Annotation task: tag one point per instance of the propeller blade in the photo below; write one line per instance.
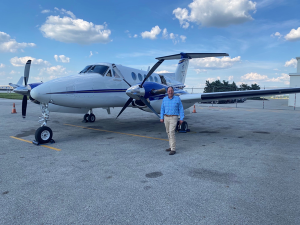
(125, 106)
(151, 71)
(115, 68)
(149, 106)
(24, 106)
(26, 72)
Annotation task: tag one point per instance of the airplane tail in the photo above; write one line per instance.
(180, 73)
(183, 64)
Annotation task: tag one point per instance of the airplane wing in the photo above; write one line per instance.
(191, 55)
(204, 97)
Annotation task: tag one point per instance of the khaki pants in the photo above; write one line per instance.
(170, 123)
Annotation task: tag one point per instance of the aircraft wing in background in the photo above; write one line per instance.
(204, 97)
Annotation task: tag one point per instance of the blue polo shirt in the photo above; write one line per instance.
(171, 107)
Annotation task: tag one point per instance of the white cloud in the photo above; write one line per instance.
(165, 33)
(182, 15)
(211, 79)
(216, 13)
(45, 11)
(182, 38)
(152, 34)
(22, 61)
(254, 76)
(294, 35)
(284, 78)
(277, 34)
(63, 11)
(200, 70)
(61, 58)
(11, 45)
(135, 36)
(214, 63)
(91, 53)
(2, 65)
(14, 72)
(291, 63)
(230, 78)
(174, 38)
(54, 72)
(72, 30)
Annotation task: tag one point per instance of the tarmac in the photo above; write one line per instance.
(236, 166)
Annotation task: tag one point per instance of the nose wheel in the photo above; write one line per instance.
(43, 135)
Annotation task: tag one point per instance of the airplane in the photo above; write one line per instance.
(106, 85)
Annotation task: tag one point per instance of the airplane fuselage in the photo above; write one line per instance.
(95, 90)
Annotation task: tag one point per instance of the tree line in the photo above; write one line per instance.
(218, 86)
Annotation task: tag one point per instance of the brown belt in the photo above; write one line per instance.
(169, 115)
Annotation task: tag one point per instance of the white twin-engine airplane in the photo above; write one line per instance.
(107, 85)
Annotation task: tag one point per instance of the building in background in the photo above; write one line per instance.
(295, 82)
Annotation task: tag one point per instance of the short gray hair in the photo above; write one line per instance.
(171, 87)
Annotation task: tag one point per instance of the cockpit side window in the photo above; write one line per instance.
(109, 74)
(115, 74)
(99, 69)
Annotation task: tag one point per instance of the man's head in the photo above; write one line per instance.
(170, 92)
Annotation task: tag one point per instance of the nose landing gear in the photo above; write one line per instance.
(43, 134)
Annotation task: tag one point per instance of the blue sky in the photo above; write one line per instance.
(261, 37)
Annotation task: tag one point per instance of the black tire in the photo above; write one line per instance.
(92, 118)
(43, 135)
(184, 126)
(86, 117)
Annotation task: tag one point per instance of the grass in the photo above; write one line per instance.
(11, 96)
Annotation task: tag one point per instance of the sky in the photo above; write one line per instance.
(261, 37)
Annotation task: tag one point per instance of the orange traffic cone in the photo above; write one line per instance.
(14, 109)
(194, 111)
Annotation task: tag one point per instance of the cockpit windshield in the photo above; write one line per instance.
(85, 69)
(95, 69)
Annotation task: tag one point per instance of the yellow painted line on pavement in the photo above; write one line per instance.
(46, 146)
(136, 135)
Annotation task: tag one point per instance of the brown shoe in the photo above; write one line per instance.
(172, 153)
(168, 149)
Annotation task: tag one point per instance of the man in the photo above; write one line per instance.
(171, 108)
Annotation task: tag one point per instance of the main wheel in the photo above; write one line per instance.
(92, 118)
(43, 135)
(184, 126)
(85, 118)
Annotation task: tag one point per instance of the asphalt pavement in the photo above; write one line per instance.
(236, 166)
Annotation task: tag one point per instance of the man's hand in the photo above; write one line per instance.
(161, 121)
(180, 122)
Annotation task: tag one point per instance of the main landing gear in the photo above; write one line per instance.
(43, 134)
(89, 117)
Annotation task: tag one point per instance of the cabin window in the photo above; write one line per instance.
(133, 76)
(98, 69)
(155, 79)
(140, 77)
(151, 78)
(109, 74)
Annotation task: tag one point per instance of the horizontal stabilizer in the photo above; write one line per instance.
(191, 56)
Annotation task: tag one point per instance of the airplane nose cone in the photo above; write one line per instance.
(41, 93)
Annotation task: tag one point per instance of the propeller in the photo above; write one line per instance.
(152, 71)
(139, 90)
(26, 77)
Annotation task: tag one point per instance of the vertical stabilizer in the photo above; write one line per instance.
(181, 69)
